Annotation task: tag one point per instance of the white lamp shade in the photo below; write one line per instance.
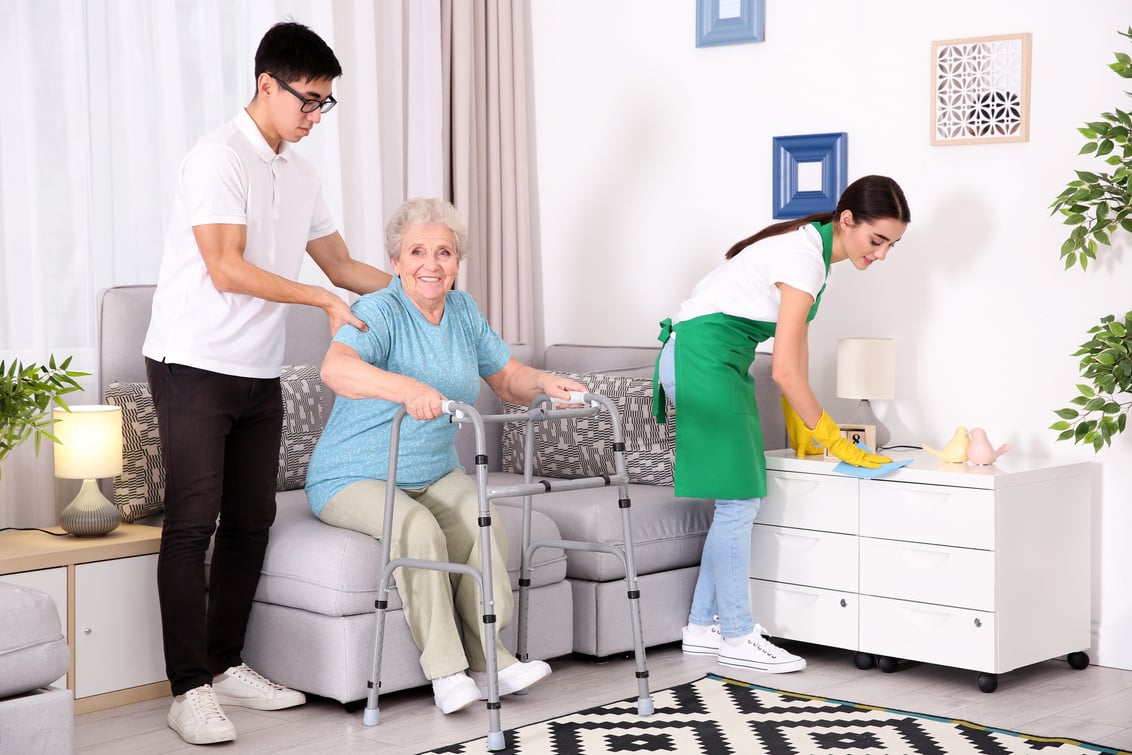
(90, 442)
(866, 368)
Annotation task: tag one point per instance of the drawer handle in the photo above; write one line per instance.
(925, 618)
(923, 559)
(798, 542)
(792, 486)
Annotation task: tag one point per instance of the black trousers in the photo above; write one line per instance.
(220, 440)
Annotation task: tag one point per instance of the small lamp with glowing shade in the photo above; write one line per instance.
(89, 448)
(866, 370)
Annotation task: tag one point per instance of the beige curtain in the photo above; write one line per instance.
(487, 172)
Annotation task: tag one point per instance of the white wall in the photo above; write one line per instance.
(654, 156)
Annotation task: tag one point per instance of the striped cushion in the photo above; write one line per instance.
(583, 447)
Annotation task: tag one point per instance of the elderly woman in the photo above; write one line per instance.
(424, 343)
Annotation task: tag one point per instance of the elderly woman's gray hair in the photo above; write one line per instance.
(425, 211)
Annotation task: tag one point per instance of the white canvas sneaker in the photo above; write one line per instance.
(758, 653)
(243, 686)
(517, 676)
(454, 692)
(701, 640)
(198, 718)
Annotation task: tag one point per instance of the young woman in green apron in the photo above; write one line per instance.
(771, 289)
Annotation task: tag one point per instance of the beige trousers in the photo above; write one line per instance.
(437, 523)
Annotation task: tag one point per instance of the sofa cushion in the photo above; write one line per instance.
(583, 446)
(140, 490)
(668, 532)
(334, 571)
(33, 652)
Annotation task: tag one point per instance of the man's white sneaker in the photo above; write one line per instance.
(758, 653)
(198, 718)
(242, 685)
(517, 676)
(697, 640)
(453, 692)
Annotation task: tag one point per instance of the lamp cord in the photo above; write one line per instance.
(34, 529)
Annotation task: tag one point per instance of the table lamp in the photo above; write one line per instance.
(89, 447)
(866, 370)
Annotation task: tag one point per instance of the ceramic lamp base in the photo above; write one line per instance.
(863, 414)
(90, 514)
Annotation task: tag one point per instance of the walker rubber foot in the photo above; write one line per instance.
(371, 717)
(495, 741)
(644, 706)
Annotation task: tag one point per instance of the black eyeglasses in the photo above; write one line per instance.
(308, 106)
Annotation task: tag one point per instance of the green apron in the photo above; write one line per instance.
(719, 440)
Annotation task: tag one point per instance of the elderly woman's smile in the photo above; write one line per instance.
(427, 264)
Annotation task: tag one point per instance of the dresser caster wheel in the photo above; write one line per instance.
(988, 682)
(886, 663)
(1078, 660)
(864, 661)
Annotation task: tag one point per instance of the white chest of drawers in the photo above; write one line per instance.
(983, 568)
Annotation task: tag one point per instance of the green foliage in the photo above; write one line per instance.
(1096, 413)
(27, 394)
(1097, 204)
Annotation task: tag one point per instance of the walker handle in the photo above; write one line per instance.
(446, 408)
(576, 397)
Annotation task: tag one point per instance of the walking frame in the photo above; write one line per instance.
(537, 412)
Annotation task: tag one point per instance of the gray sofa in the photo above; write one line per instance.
(312, 624)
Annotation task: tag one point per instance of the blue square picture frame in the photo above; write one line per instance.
(831, 151)
(729, 22)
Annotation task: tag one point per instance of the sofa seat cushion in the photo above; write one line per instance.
(33, 652)
(333, 571)
(668, 532)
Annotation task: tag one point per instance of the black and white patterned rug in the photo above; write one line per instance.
(719, 716)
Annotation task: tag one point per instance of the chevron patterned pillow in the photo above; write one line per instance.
(583, 447)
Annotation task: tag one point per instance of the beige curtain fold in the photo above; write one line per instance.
(487, 172)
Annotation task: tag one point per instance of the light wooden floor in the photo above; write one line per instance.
(1048, 699)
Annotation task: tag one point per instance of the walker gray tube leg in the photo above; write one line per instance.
(495, 739)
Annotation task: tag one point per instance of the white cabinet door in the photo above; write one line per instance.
(961, 577)
(929, 633)
(117, 625)
(815, 502)
(804, 557)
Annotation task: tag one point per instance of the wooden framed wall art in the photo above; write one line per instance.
(981, 89)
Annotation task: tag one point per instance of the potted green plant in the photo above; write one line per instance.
(27, 394)
(1096, 205)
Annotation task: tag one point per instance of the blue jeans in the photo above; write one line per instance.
(723, 587)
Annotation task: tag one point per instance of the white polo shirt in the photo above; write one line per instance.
(744, 286)
(232, 176)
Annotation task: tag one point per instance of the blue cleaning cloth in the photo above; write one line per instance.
(867, 474)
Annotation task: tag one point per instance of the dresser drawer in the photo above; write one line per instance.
(942, 574)
(816, 502)
(928, 513)
(932, 634)
(804, 557)
(806, 614)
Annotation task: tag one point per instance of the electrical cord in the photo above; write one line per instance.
(34, 529)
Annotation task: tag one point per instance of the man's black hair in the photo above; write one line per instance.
(293, 52)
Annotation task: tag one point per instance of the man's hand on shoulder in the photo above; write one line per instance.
(339, 314)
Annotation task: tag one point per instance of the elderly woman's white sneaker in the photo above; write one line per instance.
(198, 718)
(454, 692)
(518, 676)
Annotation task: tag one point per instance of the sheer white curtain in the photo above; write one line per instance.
(113, 93)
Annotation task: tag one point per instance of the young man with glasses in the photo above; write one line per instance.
(247, 209)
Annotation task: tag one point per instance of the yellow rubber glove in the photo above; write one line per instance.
(801, 437)
(829, 435)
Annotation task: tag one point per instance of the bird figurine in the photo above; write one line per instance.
(955, 452)
(980, 451)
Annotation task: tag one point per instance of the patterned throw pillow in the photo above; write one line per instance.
(302, 424)
(140, 490)
(583, 447)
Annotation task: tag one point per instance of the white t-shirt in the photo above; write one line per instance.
(232, 176)
(744, 286)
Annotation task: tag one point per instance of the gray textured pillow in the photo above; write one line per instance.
(583, 447)
(140, 490)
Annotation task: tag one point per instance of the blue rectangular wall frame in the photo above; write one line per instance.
(748, 26)
(831, 150)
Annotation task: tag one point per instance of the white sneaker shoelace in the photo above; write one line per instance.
(205, 706)
(252, 678)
